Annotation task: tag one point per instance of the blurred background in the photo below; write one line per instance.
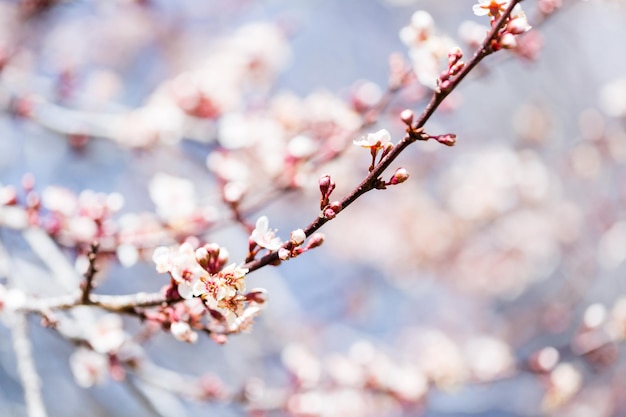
(489, 284)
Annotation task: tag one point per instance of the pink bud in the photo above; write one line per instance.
(283, 254)
(329, 213)
(327, 185)
(454, 55)
(518, 26)
(315, 240)
(508, 41)
(407, 116)
(336, 206)
(448, 140)
(399, 176)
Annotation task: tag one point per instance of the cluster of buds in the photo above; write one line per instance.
(516, 23)
(327, 186)
(297, 246)
(329, 209)
(455, 66)
(448, 139)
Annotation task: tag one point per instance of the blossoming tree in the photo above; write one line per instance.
(414, 300)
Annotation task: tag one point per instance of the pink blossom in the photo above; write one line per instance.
(263, 236)
(374, 140)
(490, 7)
(182, 266)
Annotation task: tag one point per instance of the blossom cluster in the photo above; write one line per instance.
(202, 273)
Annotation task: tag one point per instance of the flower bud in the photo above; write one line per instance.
(399, 176)
(182, 331)
(329, 213)
(454, 55)
(407, 116)
(327, 185)
(298, 236)
(507, 41)
(448, 140)
(315, 240)
(335, 206)
(518, 26)
(283, 254)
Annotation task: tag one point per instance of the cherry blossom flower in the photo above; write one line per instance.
(374, 140)
(221, 292)
(263, 236)
(182, 266)
(490, 7)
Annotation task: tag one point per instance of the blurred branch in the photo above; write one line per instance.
(26, 366)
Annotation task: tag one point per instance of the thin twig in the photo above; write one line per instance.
(88, 284)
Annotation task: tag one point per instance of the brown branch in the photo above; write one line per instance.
(370, 181)
(88, 285)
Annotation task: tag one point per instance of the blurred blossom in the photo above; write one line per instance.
(88, 367)
(565, 381)
(612, 246)
(437, 356)
(228, 167)
(182, 331)
(60, 199)
(488, 183)
(331, 403)
(344, 371)
(236, 130)
(107, 336)
(489, 358)
(127, 254)
(586, 161)
(613, 98)
(329, 114)
(174, 197)
(302, 363)
(533, 123)
(11, 299)
(301, 146)
(472, 33)
(427, 50)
